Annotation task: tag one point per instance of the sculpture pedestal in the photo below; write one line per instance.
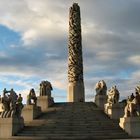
(114, 111)
(100, 100)
(44, 102)
(10, 126)
(30, 112)
(131, 125)
(76, 92)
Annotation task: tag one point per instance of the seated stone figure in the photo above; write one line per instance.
(133, 106)
(45, 88)
(113, 95)
(10, 106)
(32, 97)
(101, 88)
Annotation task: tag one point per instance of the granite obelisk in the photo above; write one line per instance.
(76, 92)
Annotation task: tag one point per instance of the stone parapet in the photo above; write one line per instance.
(10, 126)
(114, 111)
(30, 112)
(44, 102)
(131, 125)
(76, 92)
(100, 101)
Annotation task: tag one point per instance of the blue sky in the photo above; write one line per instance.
(33, 45)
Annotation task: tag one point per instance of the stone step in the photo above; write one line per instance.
(73, 121)
(94, 132)
(80, 125)
(74, 126)
(69, 138)
(115, 135)
(76, 122)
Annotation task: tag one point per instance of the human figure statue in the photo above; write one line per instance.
(137, 89)
(32, 97)
(113, 95)
(132, 96)
(137, 96)
(11, 105)
(101, 88)
(45, 88)
(133, 106)
(128, 108)
(13, 99)
(19, 105)
(0, 99)
(5, 104)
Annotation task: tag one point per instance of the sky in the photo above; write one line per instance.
(34, 45)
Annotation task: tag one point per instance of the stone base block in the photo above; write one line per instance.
(30, 112)
(131, 125)
(114, 111)
(76, 92)
(10, 126)
(100, 100)
(44, 102)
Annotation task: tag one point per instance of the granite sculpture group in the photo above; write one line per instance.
(11, 117)
(12, 103)
(76, 91)
(45, 88)
(128, 110)
(14, 114)
(101, 88)
(113, 95)
(132, 104)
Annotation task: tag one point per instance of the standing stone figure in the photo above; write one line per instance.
(101, 88)
(113, 95)
(19, 105)
(11, 108)
(75, 60)
(132, 107)
(5, 104)
(45, 88)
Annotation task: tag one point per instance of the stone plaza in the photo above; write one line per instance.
(41, 118)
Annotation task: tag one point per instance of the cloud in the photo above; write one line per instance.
(134, 59)
(38, 50)
(3, 55)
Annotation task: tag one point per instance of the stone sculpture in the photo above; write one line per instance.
(75, 60)
(75, 71)
(19, 105)
(137, 89)
(113, 95)
(101, 88)
(11, 107)
(133, 106)
(45, 88)
(31, 98)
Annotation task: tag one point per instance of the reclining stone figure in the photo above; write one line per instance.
(101, 88)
